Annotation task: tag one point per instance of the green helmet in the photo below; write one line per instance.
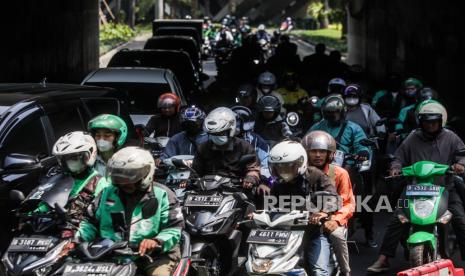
(431, 110)
(111, 122)
(413, 82)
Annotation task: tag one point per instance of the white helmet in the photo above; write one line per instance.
(261, 27)
(130, 165)
(287, 160)
(75, 151)
(221, 119)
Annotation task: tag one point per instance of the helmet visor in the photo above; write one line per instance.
(124, 176)
(76, 157)
(286, 171)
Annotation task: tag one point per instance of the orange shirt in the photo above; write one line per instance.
(340, 177)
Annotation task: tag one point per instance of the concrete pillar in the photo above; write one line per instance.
(55, 39)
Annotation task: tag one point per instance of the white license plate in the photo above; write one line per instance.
(203, 201)
(38, 245)
(277, 237)
(97, 269)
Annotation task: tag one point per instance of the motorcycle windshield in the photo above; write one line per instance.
(51, 190)
(425, 169)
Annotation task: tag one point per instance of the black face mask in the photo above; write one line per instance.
(333, 117)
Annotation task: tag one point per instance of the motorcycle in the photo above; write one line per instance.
(425, 209)
(177, 175)
(275, 242)
(213, 206)
(37, 247)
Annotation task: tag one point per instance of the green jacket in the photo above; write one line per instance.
(350, 139)
(403, 118)
(79, 184)
(165, 225)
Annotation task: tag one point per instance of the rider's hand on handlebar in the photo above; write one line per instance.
(147, 245)
(394, 172)
(329, 226)
(458, 168)
(362, 156)
(157, 162)
(317, 217)
(249, 182)
(263, 189)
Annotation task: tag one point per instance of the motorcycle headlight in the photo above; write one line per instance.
(423, 208)
(228, 206)
(43, 271)
(261, 265)
(445, 218)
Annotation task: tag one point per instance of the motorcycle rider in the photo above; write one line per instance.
(361, 113)
(131, 172)
(336, 86)
(221, 154)
(429, 142)
(110, 133)
(288, 163)
(262, 33)
(76, 153)
(167, 122)
(270, 125)
(407, 116)
(246, 95)
(245, 123)
(187, 141)
(291, 91)
(348, 136)
(265, 86)
(320, 147)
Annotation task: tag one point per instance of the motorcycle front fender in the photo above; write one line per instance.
(422, 237)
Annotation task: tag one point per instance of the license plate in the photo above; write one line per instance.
(203, 200)
(269, 237)
(39, 245)
(423, 190)
(98, 269)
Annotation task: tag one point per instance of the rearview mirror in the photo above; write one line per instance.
(246, 159)
(292, 119)
(17, 163)
(16, 196)
(179, 163)
(149, 208)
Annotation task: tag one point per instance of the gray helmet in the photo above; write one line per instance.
(267, 79)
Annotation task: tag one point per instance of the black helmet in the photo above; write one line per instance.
(192, 119)
(269, 103)
(245, 120)
(246, 90)
(331, 105)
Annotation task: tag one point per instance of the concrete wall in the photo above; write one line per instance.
(423, 38)
(57, 39)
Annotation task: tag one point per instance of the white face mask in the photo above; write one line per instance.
(75, 166)
(104, 145)
(287, 176)
(352, 101)
(266, 90)
(219, 140)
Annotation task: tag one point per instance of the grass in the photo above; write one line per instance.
(330, 37)
(107, 43)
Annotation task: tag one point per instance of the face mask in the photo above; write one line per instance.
(104, 145)
(286, 176)
(74, 166)
(352, 101)
(266, 90)
(219, 140)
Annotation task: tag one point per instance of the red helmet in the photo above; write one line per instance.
(169, 100)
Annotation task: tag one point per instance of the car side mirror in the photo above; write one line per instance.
(17, 163)
(149, 208)
(17, 196)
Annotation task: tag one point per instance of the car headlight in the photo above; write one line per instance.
(261, 265)
(423, 208)
(445, 218)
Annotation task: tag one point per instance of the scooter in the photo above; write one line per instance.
(275, 243)
(425, 209)
(39, 242)
(212, 211)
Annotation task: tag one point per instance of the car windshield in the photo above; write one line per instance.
(140, 98)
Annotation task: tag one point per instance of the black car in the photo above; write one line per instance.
(139, 88)
(32, 118)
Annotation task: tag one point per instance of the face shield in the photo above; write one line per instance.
(74, 163)
(124, 176)
(286, 171)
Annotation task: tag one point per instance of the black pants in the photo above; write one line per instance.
(396, 230)
(361, 185)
